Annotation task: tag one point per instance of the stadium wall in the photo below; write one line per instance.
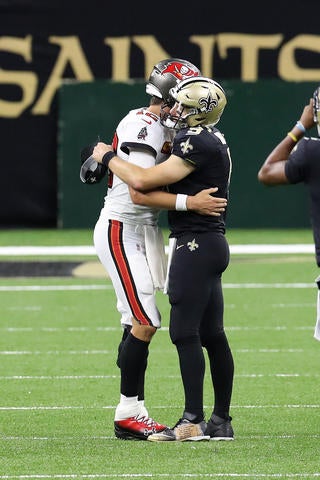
(46, 43)
(257, 115)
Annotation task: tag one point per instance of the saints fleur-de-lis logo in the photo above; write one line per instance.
(192, 245)
(186, 146)
(209, 103)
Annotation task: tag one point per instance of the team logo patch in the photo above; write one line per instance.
(179, 70)
(186, 146)
(192, 245)
(142, 135)
(209, 103)
(166, 148)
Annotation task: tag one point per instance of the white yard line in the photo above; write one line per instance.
(89, 250)
(63, 288)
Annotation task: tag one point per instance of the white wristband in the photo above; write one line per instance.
(301, 127)
(181, 202)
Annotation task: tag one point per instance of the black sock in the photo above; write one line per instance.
(125, 334)
(133, 364)
(192, 367)
(222, 372)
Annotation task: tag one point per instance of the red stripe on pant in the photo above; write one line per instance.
(115, 238)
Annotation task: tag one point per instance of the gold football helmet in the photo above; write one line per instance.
(199, 101)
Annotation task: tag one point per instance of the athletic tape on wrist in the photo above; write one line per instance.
(181, 202)
(301, 127)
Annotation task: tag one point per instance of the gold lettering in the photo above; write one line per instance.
(120, 47)
(27, 81)
(153, 52)
(287, 65)
(249, 46)
(206, 44)
(71, 52)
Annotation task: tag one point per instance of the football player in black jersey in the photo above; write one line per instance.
(200, 158)
(296, 159)
(129, 242)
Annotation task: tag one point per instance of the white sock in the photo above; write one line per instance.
(317, 327)
(128, 407)
(143, 410)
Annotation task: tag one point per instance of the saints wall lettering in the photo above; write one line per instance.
(70, 69)
(70, 61)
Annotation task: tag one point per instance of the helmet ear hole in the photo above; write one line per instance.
(170, 102)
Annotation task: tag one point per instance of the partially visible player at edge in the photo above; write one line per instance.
(200, 253)
(294, 160)
(130, 244)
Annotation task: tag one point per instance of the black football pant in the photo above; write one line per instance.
(196, 318)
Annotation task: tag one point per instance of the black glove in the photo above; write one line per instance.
(91, 172)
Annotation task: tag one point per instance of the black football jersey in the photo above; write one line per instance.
(206, 149)
(303, 165)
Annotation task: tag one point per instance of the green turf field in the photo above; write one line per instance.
(84, 236)
(59, 383)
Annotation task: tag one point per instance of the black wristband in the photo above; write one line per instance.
(106, 158)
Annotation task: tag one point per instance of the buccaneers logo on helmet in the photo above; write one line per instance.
(180, 70)
(166, 74)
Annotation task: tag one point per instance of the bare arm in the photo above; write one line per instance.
(170, 171)
(203, 202)
(272, 171)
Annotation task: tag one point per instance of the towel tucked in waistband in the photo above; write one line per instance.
(156, 256)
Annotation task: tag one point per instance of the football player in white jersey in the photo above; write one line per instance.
(130, 245)
(200, 157)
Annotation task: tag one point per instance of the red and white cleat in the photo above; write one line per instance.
(137, 428)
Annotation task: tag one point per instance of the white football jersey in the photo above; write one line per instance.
(141, 139)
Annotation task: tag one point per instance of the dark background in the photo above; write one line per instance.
(92, 109)
(30, 142)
